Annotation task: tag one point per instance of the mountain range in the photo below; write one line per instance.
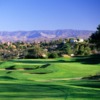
(41, 35)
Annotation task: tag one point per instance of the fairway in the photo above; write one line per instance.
(49, 79)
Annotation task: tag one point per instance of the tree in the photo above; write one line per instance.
(67, 48)
(53, 55)
(35, 52)
(81, 50)
(76, 48)
(87, 50)
(95, 37)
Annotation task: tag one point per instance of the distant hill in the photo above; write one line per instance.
(40, 35)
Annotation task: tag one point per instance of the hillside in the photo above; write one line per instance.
(40, 35)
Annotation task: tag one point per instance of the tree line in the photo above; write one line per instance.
(51, 49)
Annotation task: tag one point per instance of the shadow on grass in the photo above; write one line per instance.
(93, 59)
(7, 78)
(10, 68)
(33, 91)
(87, 83)
(90, 85)
(40, 62)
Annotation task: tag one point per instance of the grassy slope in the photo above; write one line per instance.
(35, 84)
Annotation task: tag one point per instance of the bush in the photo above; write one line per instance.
(53, 55)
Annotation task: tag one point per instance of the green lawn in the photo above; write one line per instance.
(49, 79)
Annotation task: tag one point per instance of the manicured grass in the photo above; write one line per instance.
(46, 90)
(49, 79)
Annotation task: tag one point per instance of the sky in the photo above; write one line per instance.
(30, 15)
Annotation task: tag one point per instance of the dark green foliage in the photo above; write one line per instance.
(87, 51)
(95, 37)
(67, 48)
(82, 49)
(35, 52)
(21, 50)
(53, 55)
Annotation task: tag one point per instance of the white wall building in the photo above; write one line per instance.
(80, 40)
(76, 40)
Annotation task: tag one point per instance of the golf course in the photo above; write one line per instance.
(50, 79)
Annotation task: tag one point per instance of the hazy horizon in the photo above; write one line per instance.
(44, 30)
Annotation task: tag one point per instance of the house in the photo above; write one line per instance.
(80, 40)
(76, 40)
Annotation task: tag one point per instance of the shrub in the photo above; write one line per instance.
(53, 55)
